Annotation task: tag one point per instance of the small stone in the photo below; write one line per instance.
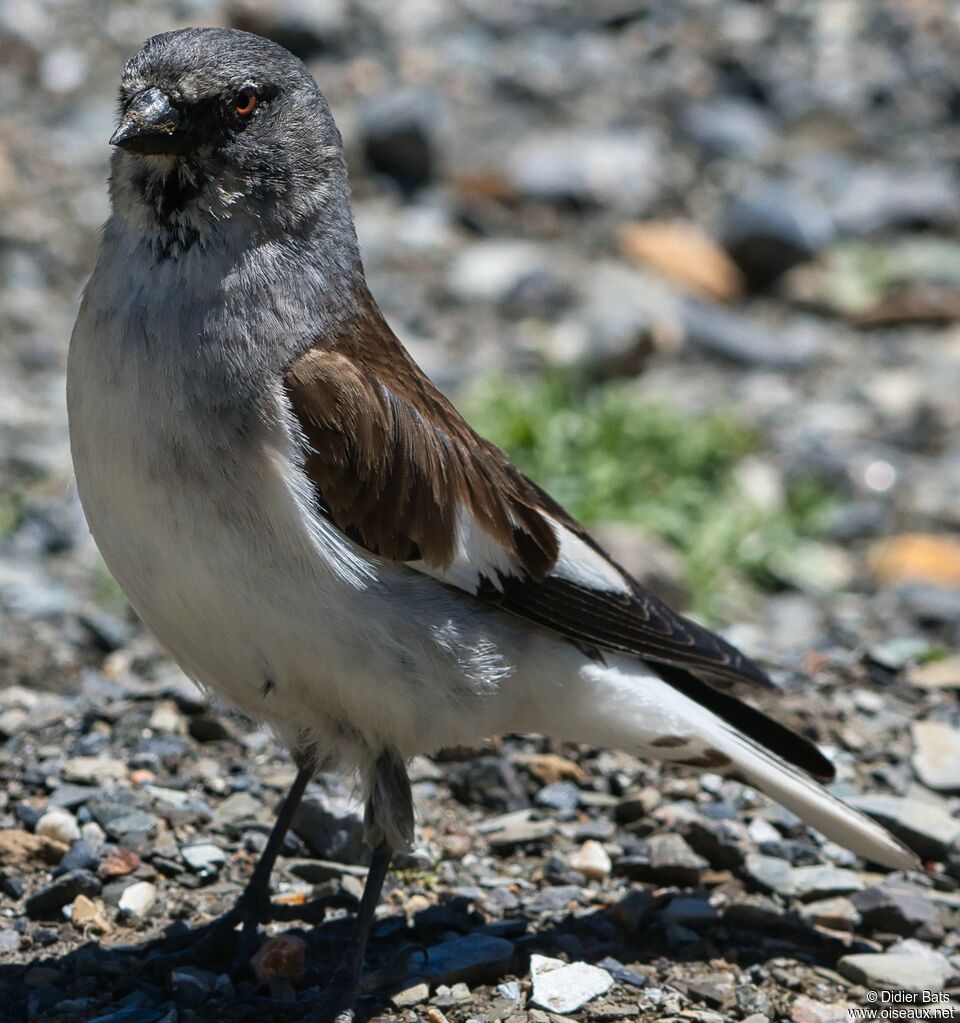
(771, 229)
(820, 882)
(204, 859)
(892, 971)
(940, 674)
(60, 825)
(936, 755)
(927, 828)
(137, 900)
(592, 860)
(689, 911)
(672, 861)
(770, 873)
(93, 770)
(47, 903)
(906, 911)
(474, 959)
(331, 824)
(118, 862)
(489, 781)
(685, 255)
(237, 809)
(93, 835)
(21, 847)
(562, 988)
(79, 857)
(192, 985)
(87, 914)
(918, 558)
(167, 719)
(549, 768)
(744, 341)
(633, 910)
(837, 914)
(410, 996)
(562, 795)
(807, 1010)
(280, 957)
(519, 828)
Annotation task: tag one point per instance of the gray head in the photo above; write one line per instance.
(218, 127)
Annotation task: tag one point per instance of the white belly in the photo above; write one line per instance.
(270, 606)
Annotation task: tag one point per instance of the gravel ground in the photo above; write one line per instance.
(733, 204)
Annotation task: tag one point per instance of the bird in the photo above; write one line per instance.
(308, 524)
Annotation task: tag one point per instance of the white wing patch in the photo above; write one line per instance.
(581, 565)
(478, 556)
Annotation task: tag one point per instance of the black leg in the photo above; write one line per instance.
(252, 907)
(341, 993)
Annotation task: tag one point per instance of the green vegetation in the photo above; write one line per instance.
(608, 455)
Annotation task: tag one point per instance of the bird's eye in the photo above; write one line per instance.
(246, 102)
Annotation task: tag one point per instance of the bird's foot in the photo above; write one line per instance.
(339, 998)
(220, 942)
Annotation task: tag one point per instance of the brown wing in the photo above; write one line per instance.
(398, 470)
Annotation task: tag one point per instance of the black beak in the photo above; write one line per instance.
(149, 125)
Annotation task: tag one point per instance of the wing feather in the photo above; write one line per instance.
(397, 469)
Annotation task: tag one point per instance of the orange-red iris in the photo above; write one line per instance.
(246, 102)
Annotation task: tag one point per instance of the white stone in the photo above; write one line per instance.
(562, 988)
(592, 861)
(93, 835)
(936, 755)
(59, 824)
(137, 900)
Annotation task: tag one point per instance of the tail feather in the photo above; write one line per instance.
(623, 706)
(813, 804)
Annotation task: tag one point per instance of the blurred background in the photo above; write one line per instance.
(695, 265)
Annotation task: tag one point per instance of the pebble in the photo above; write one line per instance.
(192, 985)
(892, 971)
(204, 859)
(59, 825)
(621, 170)
(672, 861)
(79, 857)
(413, 995)
(770, 229)
(906, 911)
(936, 755)
(927, 828)
(137, 900)
(48, 901)
(20, 847)
(820, 882)
(474, 959)
(279, 957)
(93, 770)
(561, 987)
(562, 795)
(747, 342)
(837, 914)
(592, 860)
(332, 827)
(88, 914)
(519, 828)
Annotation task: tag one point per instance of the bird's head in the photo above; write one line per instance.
(219, 125)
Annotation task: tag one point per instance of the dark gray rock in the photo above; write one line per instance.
(747, 342)
(47, 903)
(397, 132)
(771, 229)
(488, 781)
(906, 911)
(78, 857)
(332, 827)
